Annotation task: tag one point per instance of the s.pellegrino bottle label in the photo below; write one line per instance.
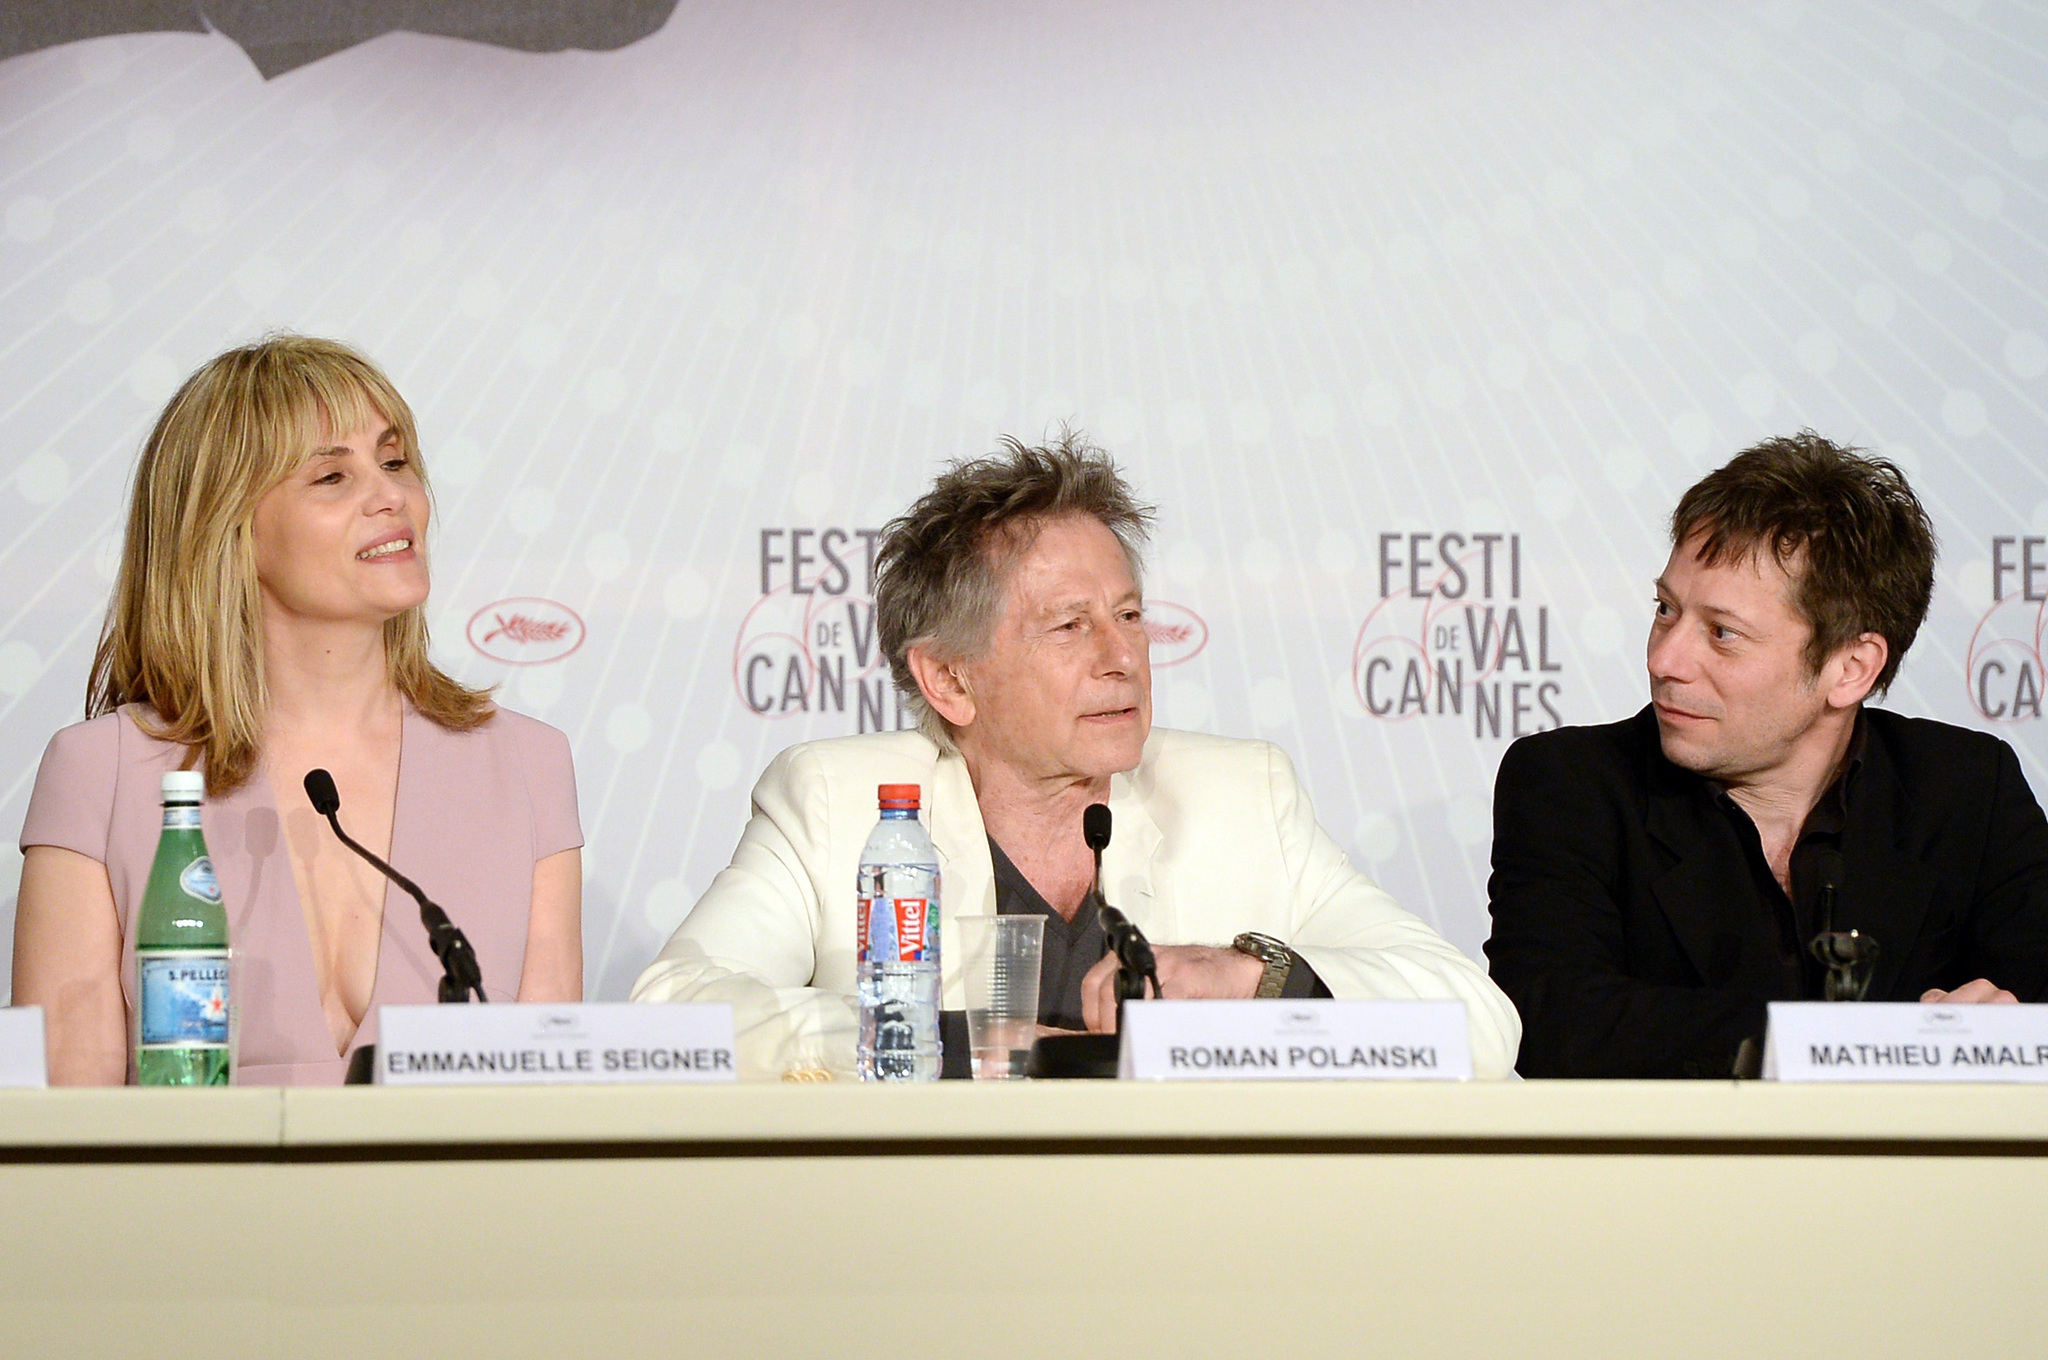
(184, 994)
(184, 997)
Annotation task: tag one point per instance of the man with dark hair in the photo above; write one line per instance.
(1008, 604)
(1657, 881)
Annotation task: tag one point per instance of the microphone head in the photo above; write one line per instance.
(1095, 826)
(1829, 862)
(320, 788)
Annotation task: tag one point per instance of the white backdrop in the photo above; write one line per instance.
(1333, 281)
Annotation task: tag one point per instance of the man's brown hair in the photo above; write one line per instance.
(1845, 526)
(941, 565)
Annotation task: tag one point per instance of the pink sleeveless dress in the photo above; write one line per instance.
(475, 811)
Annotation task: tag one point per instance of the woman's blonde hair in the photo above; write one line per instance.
(184, 631)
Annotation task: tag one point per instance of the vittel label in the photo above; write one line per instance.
(184, 999)
(894, 929)
(199, 880)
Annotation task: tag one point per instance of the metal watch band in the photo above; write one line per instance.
(1277, 957)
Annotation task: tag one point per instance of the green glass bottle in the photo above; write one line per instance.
(182, 999)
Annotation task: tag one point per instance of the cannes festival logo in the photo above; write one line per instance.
(525, 631)
(2004, 666)
(1177, 633)
(1451, 631)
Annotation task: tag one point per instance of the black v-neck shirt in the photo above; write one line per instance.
(1816, 858)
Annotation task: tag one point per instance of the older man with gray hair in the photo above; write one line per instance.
(1008, 603)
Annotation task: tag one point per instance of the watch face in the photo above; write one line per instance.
(1260, 946)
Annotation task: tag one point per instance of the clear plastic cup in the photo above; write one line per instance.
(1001, 956)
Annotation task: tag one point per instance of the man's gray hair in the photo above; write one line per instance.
(941, 566)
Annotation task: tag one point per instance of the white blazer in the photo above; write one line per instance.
(1212, 836)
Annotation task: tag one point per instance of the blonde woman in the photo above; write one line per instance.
(267, 621)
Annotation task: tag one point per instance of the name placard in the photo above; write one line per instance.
(1904, 1041)
(22, 1060)
(541, 1045)
(1295, 1041)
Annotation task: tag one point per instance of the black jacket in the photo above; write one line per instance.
(1628, 929)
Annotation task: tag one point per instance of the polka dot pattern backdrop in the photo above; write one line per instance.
(1413, 319)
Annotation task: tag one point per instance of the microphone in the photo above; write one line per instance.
(460, 974)
(1095, 831)
(1849, 956)
(1135, 962)
(1830, 864)
(1095, 1055)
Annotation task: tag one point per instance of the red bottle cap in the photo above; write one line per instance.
(898, 795)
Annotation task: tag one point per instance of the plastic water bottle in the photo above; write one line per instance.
(899, 944)
(183, 1001)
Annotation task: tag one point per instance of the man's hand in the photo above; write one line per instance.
(1187, 972)
(1983, 989)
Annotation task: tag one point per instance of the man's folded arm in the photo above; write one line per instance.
(1557, 945)
(751, 939)
(1362, 945)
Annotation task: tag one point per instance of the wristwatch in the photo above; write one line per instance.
(1277, 957)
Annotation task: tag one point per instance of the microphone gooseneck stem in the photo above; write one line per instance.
(460, 973)
(1135, 963)
(334, 820)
